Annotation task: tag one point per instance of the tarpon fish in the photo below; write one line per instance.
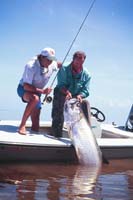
(87, 149)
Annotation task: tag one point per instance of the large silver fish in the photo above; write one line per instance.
(87, 149)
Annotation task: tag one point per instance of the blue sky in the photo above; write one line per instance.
(27, 26)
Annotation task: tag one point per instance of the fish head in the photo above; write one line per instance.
(72, 111)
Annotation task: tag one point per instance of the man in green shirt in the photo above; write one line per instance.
(72, 82)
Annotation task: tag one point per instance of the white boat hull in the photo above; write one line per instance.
(43, 147)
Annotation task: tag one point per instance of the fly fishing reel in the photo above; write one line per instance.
(49, 99)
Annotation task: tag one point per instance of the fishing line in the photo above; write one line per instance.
(88, 12)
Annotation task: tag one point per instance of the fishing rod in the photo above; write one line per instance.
(47, 98)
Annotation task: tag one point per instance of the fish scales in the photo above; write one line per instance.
(84, 141)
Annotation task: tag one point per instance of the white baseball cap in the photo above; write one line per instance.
(49, 53)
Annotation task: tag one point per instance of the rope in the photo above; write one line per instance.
(88, 12)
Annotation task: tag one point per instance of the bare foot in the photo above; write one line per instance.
(22, 131)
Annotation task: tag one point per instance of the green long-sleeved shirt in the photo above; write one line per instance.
(75, 84)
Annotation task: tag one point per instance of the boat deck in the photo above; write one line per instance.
(111, 131)
(42, 146)
(9, 134)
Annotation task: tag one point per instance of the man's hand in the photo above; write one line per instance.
(68, 95)
(59, 64)
(47, 91)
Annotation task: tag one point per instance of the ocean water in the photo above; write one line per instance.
(66, 181)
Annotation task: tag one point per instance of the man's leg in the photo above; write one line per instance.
(57, 113)
(35, 118)
(32, 100)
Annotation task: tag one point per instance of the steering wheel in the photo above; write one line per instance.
(97, 114)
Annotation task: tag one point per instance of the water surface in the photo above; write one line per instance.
(64, 181)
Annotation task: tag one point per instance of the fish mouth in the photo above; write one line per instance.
(72, 102)
(72, 110)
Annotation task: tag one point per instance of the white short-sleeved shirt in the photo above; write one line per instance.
(36, 75)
